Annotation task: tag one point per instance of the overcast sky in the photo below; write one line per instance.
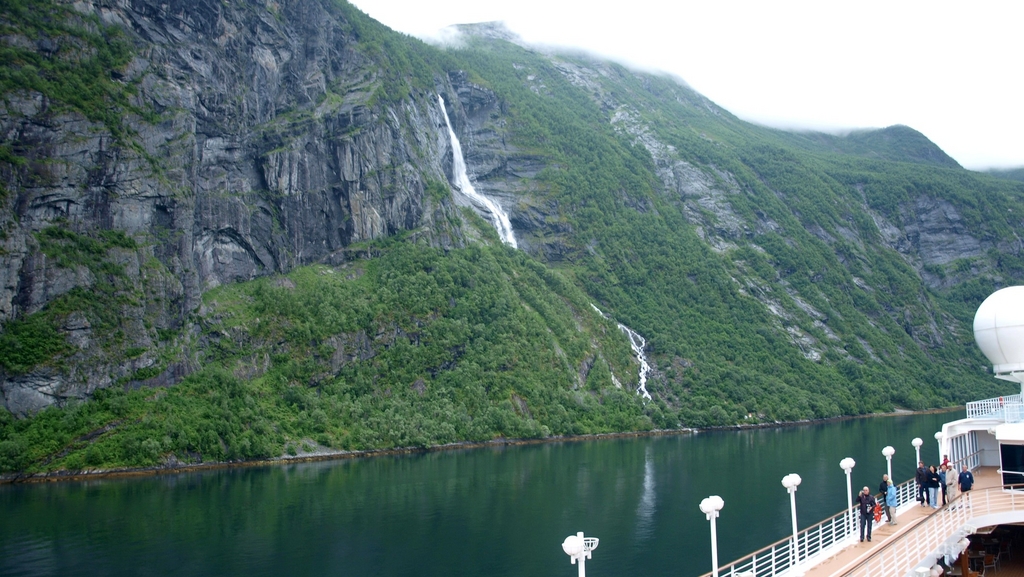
(954, 71)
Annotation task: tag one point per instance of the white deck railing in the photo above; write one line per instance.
(937, 534)
(1009, 408)
(816, 543)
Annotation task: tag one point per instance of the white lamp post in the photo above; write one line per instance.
(917, 442)
(791, 482)
(710, 507)
(578, 548)
(888, 452)
(938, 439)
(847, 465)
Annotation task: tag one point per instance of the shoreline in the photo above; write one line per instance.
(335, 455)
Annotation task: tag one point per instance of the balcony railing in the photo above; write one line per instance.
(814, 543)
(938, 533)
(1009, 408)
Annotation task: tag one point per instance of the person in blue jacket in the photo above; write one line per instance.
(890, 502)
(942, 482)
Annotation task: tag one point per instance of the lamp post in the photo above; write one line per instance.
(917, 442)
(791, 482)
(578, 548)
(938, 439)
(710, 507)
(888, 452)
(847, 465)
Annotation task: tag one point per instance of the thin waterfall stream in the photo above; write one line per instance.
(498, 216)
(637, 343)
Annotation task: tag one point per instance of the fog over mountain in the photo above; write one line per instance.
(942, 69)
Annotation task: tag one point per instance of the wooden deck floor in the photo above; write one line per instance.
(1011, 567)
(847, 559)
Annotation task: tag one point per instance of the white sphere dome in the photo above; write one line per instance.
(999, 329)
(573, 545)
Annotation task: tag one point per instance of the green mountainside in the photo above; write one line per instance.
(776, 276)
(1010, 173)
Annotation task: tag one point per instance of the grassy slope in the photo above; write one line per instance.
(723, 355)
(441, 347)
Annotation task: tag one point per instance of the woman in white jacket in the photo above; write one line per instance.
(950, 483)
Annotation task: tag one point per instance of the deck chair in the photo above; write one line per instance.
(990, 561)
(1004, 549)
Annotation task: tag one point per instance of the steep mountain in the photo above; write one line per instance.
(234, 231)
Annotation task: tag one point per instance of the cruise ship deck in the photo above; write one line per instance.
(976, 534)
(847, 561)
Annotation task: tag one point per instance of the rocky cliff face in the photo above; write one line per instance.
(265, 147)
(251, 138)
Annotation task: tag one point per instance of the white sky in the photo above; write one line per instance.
(954, 71)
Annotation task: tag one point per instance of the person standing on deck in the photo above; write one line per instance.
(951, 482)
(890, 502)
(866, 504)
(966, 481)
(921, 478)
(943, 473)
(883, 488)
(933, 487)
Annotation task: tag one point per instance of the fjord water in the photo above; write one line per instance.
(481, 512)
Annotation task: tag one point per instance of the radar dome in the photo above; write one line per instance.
(999, 329)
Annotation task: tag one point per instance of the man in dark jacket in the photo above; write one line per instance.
(966, 482)
(922, 479)
(883, 487)
(866, 506)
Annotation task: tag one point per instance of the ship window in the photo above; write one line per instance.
(1012, 464)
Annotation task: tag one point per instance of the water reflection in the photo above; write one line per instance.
(481, 513)
(645, 511)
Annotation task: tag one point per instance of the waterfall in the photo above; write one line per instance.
(637, 343)
(498, 217)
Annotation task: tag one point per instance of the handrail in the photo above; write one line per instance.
(812, 542)
(998, 407)
(973, 461)
(938, 532)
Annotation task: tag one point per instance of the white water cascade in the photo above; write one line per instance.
(637, 343)
(498, 217)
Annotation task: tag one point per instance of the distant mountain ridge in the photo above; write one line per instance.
(230, 232)
(896, 143)
(1008, 173)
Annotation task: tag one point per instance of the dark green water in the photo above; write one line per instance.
(485, 512)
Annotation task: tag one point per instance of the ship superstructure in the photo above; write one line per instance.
(960, 538)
